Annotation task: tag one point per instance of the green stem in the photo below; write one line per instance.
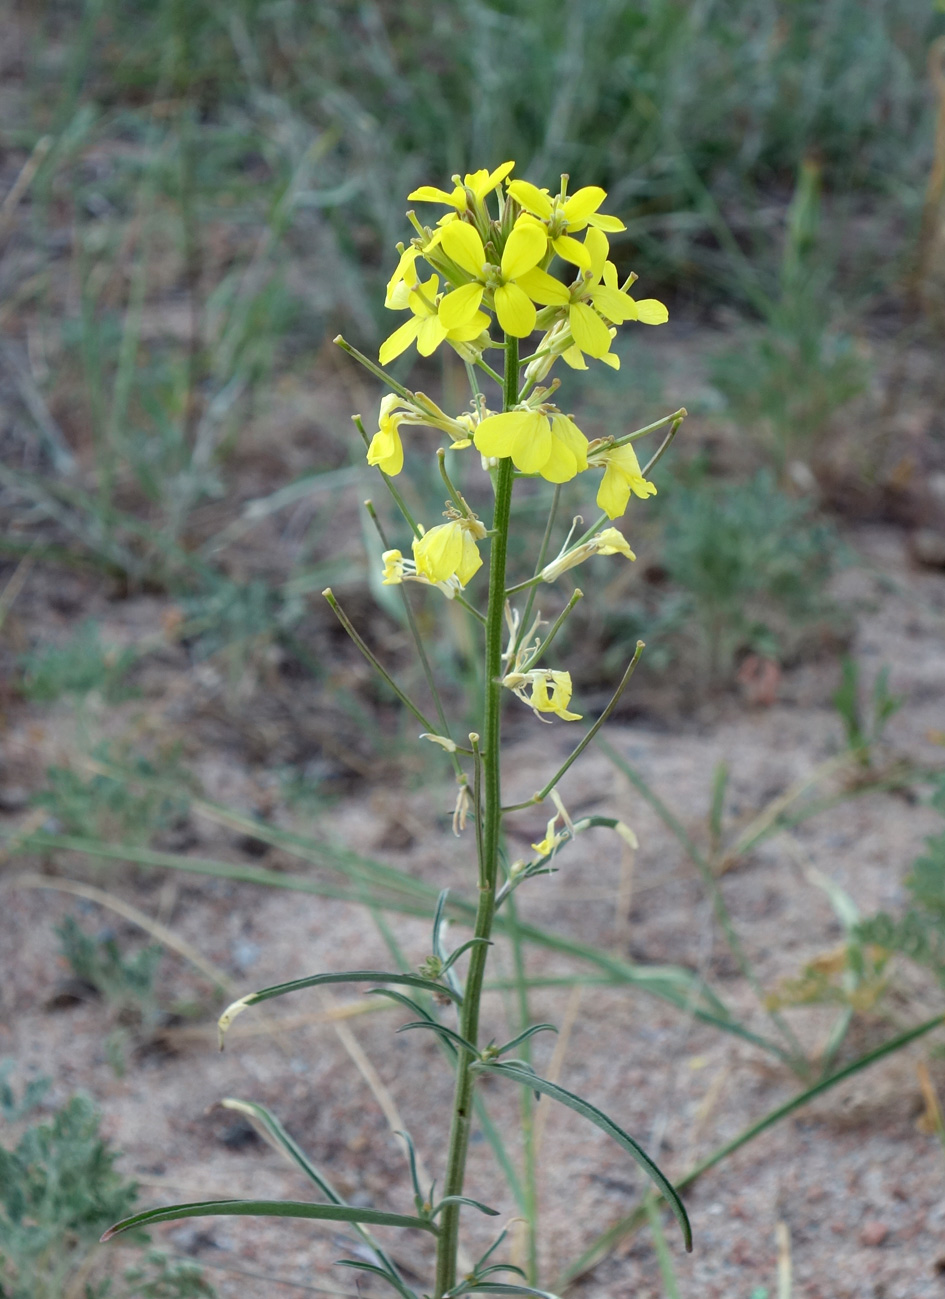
(389, 482)
(530, 1179)
(448, 1241)
(555, 628)
(542, 557)
(373, 659)
(418, 644)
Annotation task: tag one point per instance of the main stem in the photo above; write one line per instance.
(491, 813)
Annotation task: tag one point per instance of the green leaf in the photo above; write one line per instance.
(270, 1209)
(522, 1037)
(412, 1160)
(447, 1033)
(499, 1287)
(464, 947)
(404, 1001)
(313, 980)
(464, 1199)
(590, 1112)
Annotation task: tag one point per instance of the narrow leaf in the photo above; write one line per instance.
(270, 1209)
(348, 976)
(455, 955)
(438, 919)
(454, 1038)
(500, 1287)
(590, 1112)
(412, 1161)
(522, 1037)
(404, 1001)
(464, 1199)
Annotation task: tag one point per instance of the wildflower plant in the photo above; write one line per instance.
(502, 261)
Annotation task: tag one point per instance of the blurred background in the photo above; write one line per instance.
(196, 197)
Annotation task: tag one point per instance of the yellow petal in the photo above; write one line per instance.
(524, 249)
(570, 250)
(598, 247)
(387, 451)
(399, 340)
(565, 431)
(531, 198)
(543, 288)
(460, 241)
(610, 541)
(404, 276)
(514, 309)
(574, 357)
(588, 330)
(561, 465)
(430, 335)
(652, 312)
(472, 329)
(613, 493)
(552, 694)
(611, 223)
(580, 205)
(531, 446)
(459, 307)
(430, 194)
(471, 561)
(483, 183)
(393, 568)
(615, 305)
(439, 552)
(496, 435)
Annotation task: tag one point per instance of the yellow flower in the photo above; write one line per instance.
(449, 550)
(563, 217)
(403, 280)
(611, 541)
(622, 474)
(550, 445)
(386, 449)
(554, 837)
(550, 692)
(524, 249)
(607, 542)
(393, 568)
(480, 183)
(595, 300)
(425, 326)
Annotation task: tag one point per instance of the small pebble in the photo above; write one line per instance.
(873, 1233)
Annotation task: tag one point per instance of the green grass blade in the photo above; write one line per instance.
(270, 1209)
(600, 1120)
(661, 1246)
(607, 1239)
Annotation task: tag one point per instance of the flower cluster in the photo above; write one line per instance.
(503, 261)
(499, 266)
